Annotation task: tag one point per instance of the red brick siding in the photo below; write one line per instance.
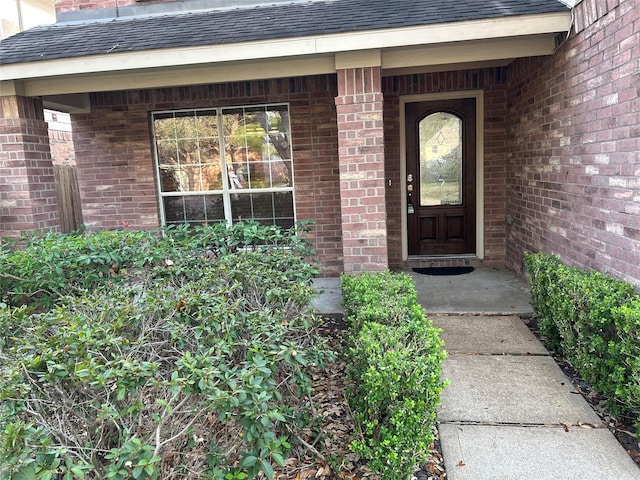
(115, 163)
(493, 84)
(61, 143)
(70, 5)
(362, 177)
(27, 186)
(574, 167)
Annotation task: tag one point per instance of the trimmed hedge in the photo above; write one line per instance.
(593, 319)
(395, 363)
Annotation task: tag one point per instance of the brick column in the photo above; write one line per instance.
(27, 186)
(362, 177)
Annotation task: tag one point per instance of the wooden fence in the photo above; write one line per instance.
(68, 197)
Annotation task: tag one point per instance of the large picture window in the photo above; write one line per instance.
(225, 164)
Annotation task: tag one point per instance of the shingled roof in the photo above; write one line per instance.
(278, 21)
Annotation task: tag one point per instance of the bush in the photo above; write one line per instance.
(627, 387)
(385, 297)
(201, 372)
(590, 318)
(395, 362)
(55, 265)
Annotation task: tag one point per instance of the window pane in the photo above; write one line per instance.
(259, 175)
(441, 159)
(257, 146)
(164, 126)
(192, 179)
(207, 124)
(194, 209)
(170, 179)
(186, 126)
(241, 206)
(262, 206)
(173, 209)
(214, 206)
(278, 130)
(167, 152)
(269, 208)
(285, 222)
(188, 152)
(281, 173)
(209, 150)
(211, 177)
(283, 202)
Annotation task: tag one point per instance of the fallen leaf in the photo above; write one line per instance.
(180, 305)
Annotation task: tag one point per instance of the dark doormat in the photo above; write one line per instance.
(443, 270)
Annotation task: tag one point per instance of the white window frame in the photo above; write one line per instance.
(227, 190)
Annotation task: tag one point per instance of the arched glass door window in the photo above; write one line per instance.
(440, 159)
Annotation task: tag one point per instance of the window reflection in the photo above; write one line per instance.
(440, 137)
(210, 158)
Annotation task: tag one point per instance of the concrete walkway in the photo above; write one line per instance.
(509, 412)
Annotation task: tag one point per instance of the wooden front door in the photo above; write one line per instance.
(441, 180)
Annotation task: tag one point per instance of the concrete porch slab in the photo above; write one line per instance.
(329, 298)
(484, 291)
(487, 334)
(510, 389)
(497, 452)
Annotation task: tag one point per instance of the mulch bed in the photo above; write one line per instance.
(335, 430)
(623, 428)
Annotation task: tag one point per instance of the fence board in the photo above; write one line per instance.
(68, 197)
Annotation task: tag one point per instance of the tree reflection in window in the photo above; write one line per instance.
(440, 137)
(223, 152)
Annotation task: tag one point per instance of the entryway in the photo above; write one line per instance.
(441, 177)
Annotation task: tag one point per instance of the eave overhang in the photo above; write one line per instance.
(435, 47)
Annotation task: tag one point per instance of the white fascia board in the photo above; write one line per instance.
(293, 47)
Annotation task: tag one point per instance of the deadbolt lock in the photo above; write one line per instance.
(409, 188)
(410, 178)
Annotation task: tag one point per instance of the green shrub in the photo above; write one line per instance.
(589, 317)
(543, 273)
(200, 372)
(56, 265)
(384, 297)
(627, 325)
(395, 363)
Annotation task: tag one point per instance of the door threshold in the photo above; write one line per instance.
(464, 256)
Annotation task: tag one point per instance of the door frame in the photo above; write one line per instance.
(478, 95)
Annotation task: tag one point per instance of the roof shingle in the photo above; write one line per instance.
(279, 21)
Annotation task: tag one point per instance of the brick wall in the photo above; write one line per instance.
(115, 164)
(61, 144)
(574, 166)
(362, 178)
(27, 185)
(493, 83)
